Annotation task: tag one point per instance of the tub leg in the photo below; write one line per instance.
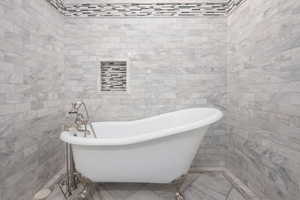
(71, 179)
(179, 196)
(179, 182)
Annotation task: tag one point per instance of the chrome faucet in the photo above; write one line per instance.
(81, 120)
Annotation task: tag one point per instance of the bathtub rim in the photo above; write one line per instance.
(67, 136)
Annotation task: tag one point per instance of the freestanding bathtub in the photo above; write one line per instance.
(158, 149)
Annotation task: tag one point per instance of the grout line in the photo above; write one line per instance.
(227, 195)
(236, 183)
(55, 179)
(240, 186)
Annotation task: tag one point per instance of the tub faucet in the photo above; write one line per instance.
(81, 120)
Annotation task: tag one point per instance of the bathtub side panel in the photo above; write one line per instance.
(156, 161)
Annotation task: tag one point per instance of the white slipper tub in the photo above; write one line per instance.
(158, 149)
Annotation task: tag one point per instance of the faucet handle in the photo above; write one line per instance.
(73, 109)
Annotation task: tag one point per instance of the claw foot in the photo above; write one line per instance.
(179, 196)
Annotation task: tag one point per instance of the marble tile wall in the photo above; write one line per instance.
(31, 79)
(264, 97)
(172, 64)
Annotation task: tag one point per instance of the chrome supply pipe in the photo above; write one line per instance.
(67, 160)
(73, 182)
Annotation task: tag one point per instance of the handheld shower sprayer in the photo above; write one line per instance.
(81, 118)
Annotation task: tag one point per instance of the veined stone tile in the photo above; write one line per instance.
(206, 186)
(213, 181)
(205, 194)
(147, 195)
(164, 191)
(119, 191)
(235, 195)
(262, 89)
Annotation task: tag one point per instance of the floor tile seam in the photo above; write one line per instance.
(188, 185)
(228, 193)
(136, 191)
(238, 185)
(211, 188)
(243, 189)
(207, 188)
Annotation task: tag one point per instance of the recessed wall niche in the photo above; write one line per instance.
(113, 76)
(154, 9)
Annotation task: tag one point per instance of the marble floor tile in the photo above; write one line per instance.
(204, 186)
(120, 191)
(144, 195)
(208, 186)
(164, 191)
(235, 195)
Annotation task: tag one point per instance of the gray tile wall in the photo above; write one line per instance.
(172, 64)
(264, 97)
(31, 80)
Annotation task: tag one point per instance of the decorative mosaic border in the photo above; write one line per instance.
(58, 4)
(146, 9)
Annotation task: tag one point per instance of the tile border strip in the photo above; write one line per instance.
(57, 4)
(146, 10)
